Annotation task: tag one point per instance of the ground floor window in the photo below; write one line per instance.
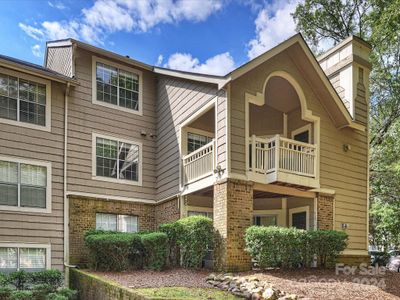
(23, 257)
(201, 213)
(267, 220)
(114, 222)
(299, 217)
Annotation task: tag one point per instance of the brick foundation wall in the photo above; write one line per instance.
(325, 212)
(167, 212)
(233, 213)
(83, 218)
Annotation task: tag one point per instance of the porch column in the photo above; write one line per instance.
(325, 210)
(233, 214)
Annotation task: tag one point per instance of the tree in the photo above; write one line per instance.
(378, 22)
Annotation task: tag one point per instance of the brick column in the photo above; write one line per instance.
(233, 214)
(325, 212)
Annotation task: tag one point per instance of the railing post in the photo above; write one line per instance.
(277, 151)
(253, 154)
(315, 160)
(214, 156)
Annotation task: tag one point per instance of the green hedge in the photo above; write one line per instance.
(155, 248)
(172, 230)
(195, 238)
(291, 247)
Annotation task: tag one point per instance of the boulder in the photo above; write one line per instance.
(269, 294)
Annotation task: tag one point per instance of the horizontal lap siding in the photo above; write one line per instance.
(222, 107)
(344, 172)
(21, 142)
(177, 100)
(85, 118)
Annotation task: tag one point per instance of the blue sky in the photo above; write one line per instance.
(206, 36)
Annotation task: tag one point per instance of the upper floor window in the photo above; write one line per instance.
(24, 186)
(196, 141)
(117, 159)
(117, 86)
(24, 100)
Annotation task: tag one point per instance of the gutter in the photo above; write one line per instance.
(66, 203)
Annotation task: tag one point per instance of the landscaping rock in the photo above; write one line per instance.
(269, 294)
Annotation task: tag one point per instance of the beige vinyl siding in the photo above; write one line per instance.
(31, 144)
(86, 118)
(222, 126)
(60, 60)
(178, 99)
(344, 172)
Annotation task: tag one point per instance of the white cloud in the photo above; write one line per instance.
(57, 5)
(220, 64)
(274, 24)
(107, 16)
(36, 50)
(159, 60)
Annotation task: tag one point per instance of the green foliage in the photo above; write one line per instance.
(56, 296)
(53, 278)
(19, 279)
(155, 246)
(327, 245)
(5, 293)
(21, 295)
(68, 293)
(40, 291)
(109, 251)
(172, 231)
(195, 237)
(291, 247)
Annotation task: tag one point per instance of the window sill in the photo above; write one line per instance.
(115, 180)
(26, 125)
(18, 209)
(113, 106)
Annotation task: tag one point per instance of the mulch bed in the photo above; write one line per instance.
(311, 284)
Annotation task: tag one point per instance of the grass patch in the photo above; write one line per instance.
(185, 293)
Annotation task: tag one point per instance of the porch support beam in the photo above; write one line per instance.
(283, 190)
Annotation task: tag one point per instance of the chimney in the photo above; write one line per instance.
(347, 67)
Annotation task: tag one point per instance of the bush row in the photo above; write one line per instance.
(43, 285)
(291, 247)
(185, 242)
(119, 251)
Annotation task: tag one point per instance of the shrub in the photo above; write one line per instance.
(172, 230)
(56, 296)
(195, 237)
(50, 277)
(136, 252)
(155, 247)
(109, 251)
(68, 293)
(40, 291)
(5, 293)
(21, 295)
(291, 247)
(327, 245)
(275, 246)
(19, 279)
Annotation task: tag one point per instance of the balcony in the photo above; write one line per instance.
(283, 161)
(199, 163)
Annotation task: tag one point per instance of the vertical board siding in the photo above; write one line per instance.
(31, 144)
(59, 59)
(344, 172)
(178, 99)
(86, 118)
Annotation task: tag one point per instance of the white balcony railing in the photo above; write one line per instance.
(199, 164)
(282, 154)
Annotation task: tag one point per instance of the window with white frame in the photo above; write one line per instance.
(265, 220)
(207, 214)
(117, 86)
(23, 184)
(196, 141)
(114, 222)
(117, 159)
(13, 258)
(22, 100)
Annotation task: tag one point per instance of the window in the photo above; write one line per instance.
(27, 257)
(24, 185)
(268, 220)
(201, 213)
(299, 217)
(117, 160)
(196, 141)
(116, 86)
(302, 134)
(23, 100)
(113, 222)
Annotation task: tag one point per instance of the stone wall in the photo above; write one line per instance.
(83, 211)
(325, 212)
(233, 213)
(167, 212)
